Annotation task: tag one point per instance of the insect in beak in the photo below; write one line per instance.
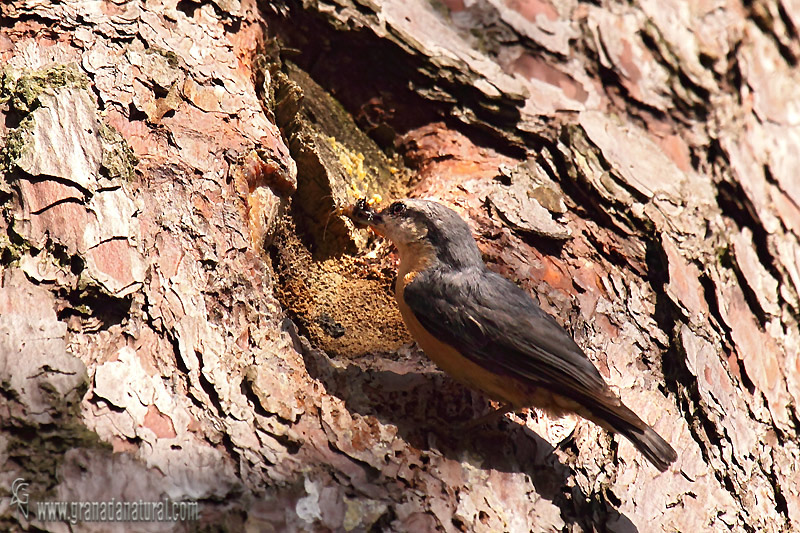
(362, 212)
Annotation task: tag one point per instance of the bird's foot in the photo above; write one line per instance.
(472, 425)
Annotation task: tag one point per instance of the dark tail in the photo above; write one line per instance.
(622, 420)
(653, 447)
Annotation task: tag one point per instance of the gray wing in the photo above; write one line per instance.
(498, 326)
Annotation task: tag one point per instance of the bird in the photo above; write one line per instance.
(488, 333)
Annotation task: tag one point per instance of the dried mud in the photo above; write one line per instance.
(344, 305)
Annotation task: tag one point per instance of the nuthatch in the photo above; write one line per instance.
(488, 333)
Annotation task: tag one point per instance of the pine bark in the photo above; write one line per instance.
(184, 314)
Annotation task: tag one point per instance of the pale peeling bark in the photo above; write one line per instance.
(182, 314)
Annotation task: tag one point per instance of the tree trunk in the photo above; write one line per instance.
(185, 315)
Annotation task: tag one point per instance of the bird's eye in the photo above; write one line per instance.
(397, 208)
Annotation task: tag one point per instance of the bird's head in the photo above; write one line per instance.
(422, 226)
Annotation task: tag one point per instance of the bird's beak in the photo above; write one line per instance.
(363, 215)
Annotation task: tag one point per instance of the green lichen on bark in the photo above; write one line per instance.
(11, 251)
(119, 160)
(14, 146)
(21, 89)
